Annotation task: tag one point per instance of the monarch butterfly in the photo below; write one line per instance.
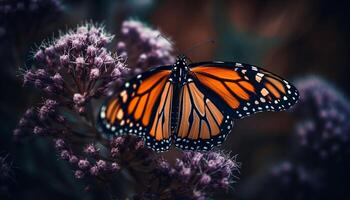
(193, 105)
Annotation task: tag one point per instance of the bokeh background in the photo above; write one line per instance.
(294, 39)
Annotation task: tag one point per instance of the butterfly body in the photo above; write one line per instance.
(192, 105)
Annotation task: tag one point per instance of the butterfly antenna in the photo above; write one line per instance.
(199, 44)
(170, 42)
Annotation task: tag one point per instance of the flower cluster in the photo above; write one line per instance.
(319, 166)
(143, 47)
(39, 121)
(72, 71)
(325, 130)
(90, 163)
(76, 67)
(195, 175)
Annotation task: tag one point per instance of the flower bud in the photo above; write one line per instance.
(83, 164)
(114, 152)
(98, 62)
(59, 144)
(94, 73)
(115, 167)
(91, 50)
(73, 159)
(79, 174)
(57, 78)
(65, 155)
(38, 130)
(116, 72)
(64, 60)
(79, 63)
(101, 164)
(78, 99)
(94, 170)
(39, 56)
(185, 172)
(205, 179)
(90, 149)
(77, 44)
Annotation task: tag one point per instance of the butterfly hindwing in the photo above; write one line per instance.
(202, 123)
(194, 105)
(246, 89)
(142, 108)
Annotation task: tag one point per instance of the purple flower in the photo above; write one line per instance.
(324, 131)
(198, 174)
(101, 164)
(91, 149)
(205, 179)
(79, 174)
(77, 68)
(83, 164)
(73, 159)
(115, 167)
(185, 173)
(94, 170)
(144, 47)
(79, 57)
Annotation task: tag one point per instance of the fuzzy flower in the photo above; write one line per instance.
(143, 47)
(71, 71)
(197, 175)
(128, 151)
(76, 66)
(324, 131)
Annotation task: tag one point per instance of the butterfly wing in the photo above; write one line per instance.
(143, 108)
(246, 89)
(202, 122)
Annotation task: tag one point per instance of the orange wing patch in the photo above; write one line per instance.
(142, 104)
(153, 96)
(274, 86)
(206, 117)
(248, 86)
(236, 89)
(151, 81)
(220, 89)
(221, 73)
(277, 83)
(113, 110)
(138, 105)
(161, 125)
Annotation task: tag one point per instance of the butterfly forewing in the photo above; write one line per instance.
(202, 123)
(245, 89)
(193, 104)
(143, 108)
